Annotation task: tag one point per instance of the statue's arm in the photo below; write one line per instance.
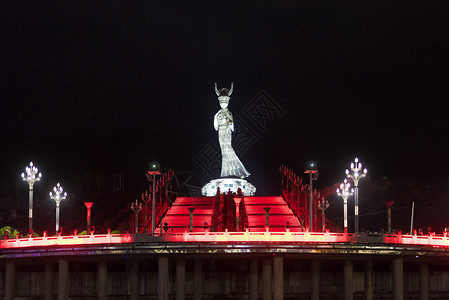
(231, 122)
(216, 121)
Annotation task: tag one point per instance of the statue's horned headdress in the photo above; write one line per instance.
(224, 94)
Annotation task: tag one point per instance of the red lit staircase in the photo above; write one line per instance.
(279, 214)
(178, 216)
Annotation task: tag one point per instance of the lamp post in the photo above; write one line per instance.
(58, 196)
(237, 213)
(136, 208)
(356, 175)
(31, 176)
(305, 190)
(323, 205)
(312, 170)
(146, 198)
(345, 193)
(411, 219)
(88, 206)
(154, 170)
(389, 204)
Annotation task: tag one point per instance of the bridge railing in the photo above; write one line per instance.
(229, 237)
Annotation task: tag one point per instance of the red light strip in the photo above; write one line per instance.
(231, 237)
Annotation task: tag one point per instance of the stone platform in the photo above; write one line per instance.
(226, 184)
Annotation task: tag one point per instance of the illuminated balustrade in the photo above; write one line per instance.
(228, 237)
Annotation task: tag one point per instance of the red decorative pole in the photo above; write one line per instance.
(191, 209)
(237, 212)
(267, 223)
(88, 205)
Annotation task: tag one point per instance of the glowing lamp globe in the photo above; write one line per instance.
(155, 167)
(311, 166)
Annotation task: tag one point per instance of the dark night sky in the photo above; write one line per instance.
(365, 78)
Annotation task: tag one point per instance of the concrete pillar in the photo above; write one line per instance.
(266, 279)
(197, 279)
(254, 279)
(227, 283)
(10, 280)
(180, 279)
(369, 289)
(63, 279)
(398, 278)
(102, 280)
(162, 279)
(278, 277)
(315, 279)
(134, 280)
(424, 281)
(49, 281)
(348, 280)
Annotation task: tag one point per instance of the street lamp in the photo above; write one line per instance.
(312, 170)
(345, 193)
(146, 198)
(356, 175)
(154, 170)
(58, 197)
(31, 178)
(136, 208)
(323, 205)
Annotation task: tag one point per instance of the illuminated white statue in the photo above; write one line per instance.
(231, 165)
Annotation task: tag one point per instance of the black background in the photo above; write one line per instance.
(113, 85)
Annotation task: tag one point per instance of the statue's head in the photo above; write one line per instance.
(224, 95)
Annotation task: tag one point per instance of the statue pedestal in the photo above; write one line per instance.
(226, 184)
